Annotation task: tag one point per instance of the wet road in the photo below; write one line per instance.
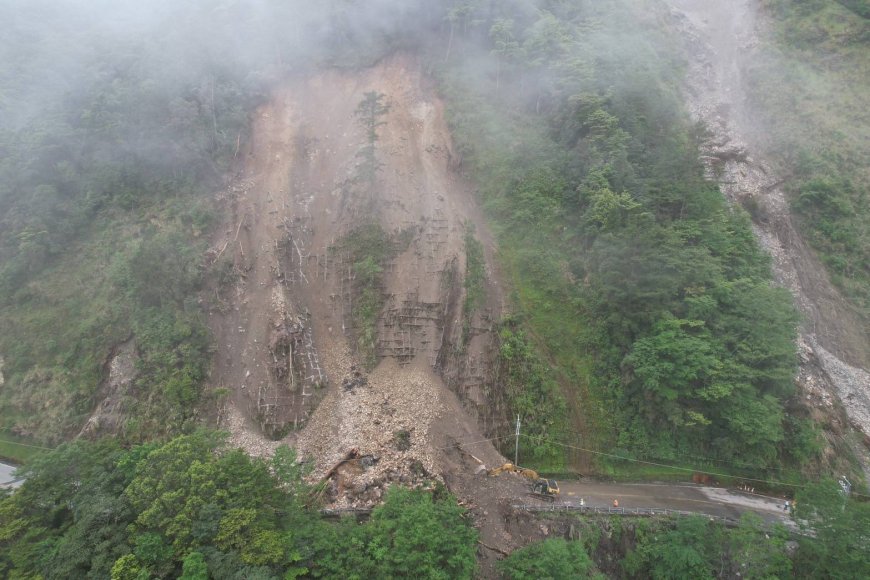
(712, 501)
(6, 477)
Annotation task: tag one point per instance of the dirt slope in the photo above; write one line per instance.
(834, 342)
(283, 321)
(295, 202)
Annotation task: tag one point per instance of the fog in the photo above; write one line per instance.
(58, 50)
(104, 102)
(158, 88)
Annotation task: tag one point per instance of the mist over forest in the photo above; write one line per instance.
(662, 285)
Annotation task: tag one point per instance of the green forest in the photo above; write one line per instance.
(194, 508)
(645, 323)
(647, 292)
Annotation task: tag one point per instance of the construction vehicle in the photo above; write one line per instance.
(542, 488)
(546, 489)
(511, 468)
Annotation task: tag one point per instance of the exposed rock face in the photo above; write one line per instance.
(286, 331)
(108, 416)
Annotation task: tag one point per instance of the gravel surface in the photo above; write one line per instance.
(245, 437)
(852, 387)
(373, 418)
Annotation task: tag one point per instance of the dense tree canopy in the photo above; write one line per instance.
(840, 546)
(548, 560)
(194, 508)
(636, 277)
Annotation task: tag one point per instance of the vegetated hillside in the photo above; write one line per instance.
(106, 155)
(644, 288)
(632, 276)
(194, 508)
(642, 302)
(725, 45)
(810, 88)
(116, 120)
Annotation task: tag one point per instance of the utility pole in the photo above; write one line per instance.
(517, 442)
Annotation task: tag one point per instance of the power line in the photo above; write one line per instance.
(602, 453)
(27, 445)
(712, 460)
(687, 469)
(461, 443)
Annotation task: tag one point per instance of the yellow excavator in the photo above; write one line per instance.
(546, 489)
(511, 468)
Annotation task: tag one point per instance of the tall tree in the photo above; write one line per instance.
(370, 112)
(837, 543)
(505, 45)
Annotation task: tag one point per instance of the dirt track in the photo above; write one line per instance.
(712, 501)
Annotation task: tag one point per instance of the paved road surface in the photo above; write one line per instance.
(707, 500)
(6, 478)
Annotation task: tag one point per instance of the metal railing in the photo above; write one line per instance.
(338, 512)
(620, 511)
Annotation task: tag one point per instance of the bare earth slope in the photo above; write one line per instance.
(286, 327)
(283, 323)
(834, 343)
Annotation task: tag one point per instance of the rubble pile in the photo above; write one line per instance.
(386, 418)
(243, 437)
(108, 415)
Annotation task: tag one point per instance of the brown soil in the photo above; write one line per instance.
(285, 336)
